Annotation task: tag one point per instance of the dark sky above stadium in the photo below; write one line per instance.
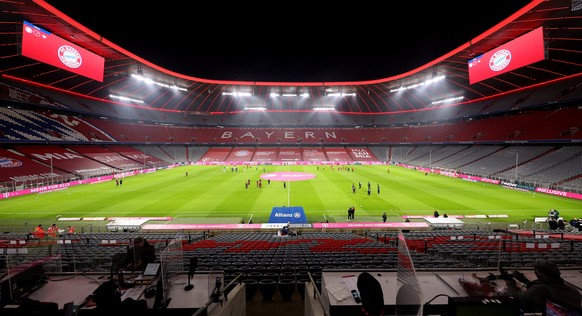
(289, 41)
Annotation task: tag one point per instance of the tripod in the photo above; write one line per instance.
(191, 270)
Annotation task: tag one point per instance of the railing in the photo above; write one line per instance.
(12, 186)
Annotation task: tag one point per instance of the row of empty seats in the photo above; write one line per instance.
(262, 253)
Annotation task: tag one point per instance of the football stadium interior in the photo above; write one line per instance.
(417, 194)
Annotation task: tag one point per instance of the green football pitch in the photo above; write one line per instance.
(213, 194)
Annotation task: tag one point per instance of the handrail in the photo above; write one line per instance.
(317, 294)
(216, 294)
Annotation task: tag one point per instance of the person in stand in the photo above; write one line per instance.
(549, 284)
(574, 222)
(70, 229)
(139, 255)
(384, 217)
(561, 224)
(39, 232)
(552, 223)
(284, 230)
(53, 231)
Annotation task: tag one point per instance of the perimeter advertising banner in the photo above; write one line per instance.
(43, 46)
(291, 214)
(522, 51)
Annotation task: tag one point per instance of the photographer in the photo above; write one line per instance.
(549, 284)
(286, 230)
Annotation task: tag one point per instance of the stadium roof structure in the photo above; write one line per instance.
(562, 29)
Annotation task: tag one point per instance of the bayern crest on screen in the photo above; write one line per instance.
(70, 57)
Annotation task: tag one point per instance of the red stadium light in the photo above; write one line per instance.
(522, 51)
(43, 46)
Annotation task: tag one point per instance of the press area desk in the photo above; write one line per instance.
(432, 284)
(65, 288)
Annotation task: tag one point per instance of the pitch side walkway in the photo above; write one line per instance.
(348, 225)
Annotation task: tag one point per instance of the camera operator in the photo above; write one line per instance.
(549, 284)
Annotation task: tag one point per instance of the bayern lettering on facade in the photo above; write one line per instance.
(272, 135)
